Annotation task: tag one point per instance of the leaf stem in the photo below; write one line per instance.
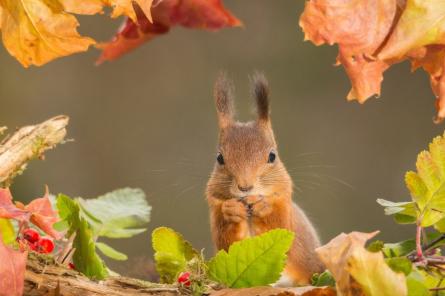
(419, 251)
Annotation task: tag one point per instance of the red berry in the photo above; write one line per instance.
(31, 235)
(45, 245)
(184, 279)
(71, 266)
(34, 246)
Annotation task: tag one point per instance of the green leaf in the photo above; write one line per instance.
(427, 185)
(375, 246)
(254, 261)
(404, 212)
(399, 249)
(172, 253)
(118, 214)
(68, 210)
(400, 264)
(416, 284)
(7, 231)
(323, 279)
(110, 252)
(85, 258)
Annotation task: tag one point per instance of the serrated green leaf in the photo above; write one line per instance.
(110, 252)
(253, 261)
(427, 188)
(400, 264)
(323, 279)
(118, 214)
(172, 253)
(7, 231)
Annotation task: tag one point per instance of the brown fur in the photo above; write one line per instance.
(245, 148)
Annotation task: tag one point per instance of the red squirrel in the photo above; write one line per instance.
(249, 191)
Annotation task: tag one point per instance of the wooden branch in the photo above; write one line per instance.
(28, 143)
(44, 277)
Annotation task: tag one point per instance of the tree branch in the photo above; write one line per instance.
(28, 143)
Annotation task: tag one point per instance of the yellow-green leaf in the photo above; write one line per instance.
(172, 253)
(7, 231)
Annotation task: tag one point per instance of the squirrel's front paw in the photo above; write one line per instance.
(258, 206)
(233, 211)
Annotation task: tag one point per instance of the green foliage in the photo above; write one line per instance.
(118, 214)
(253, 261)
(415, 282)
(427, 188)
(85, 258)
(110, 252)
(112, 215)
(400, 264)
(7, 231)
(172, 253)
(323, 279)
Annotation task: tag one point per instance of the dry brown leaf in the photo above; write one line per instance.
(358, 271)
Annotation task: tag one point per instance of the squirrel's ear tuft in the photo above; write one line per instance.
(260, 91)
(223, 93)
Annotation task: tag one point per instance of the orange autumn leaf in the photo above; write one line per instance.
(359, 28)
(374, 35)
(120, 7)
(38, 31)
(198, 14)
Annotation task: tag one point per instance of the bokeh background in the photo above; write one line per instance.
(148, 121)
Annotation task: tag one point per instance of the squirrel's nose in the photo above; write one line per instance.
(245, 188)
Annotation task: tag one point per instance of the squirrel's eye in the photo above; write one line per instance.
(220, 159)
(272, 157)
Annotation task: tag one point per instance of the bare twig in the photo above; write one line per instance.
(28, 143)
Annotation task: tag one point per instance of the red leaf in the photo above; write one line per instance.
(39, 212)
(43, 215)
(8, 210)
(12, 270)
(197, 14)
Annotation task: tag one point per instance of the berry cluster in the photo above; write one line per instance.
(184, 279)
(35, 242)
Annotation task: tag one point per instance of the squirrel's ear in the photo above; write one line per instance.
(223, 93)
(260, 91)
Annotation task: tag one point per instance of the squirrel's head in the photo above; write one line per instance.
(247, 161)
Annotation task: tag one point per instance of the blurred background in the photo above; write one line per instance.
(148, 120)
